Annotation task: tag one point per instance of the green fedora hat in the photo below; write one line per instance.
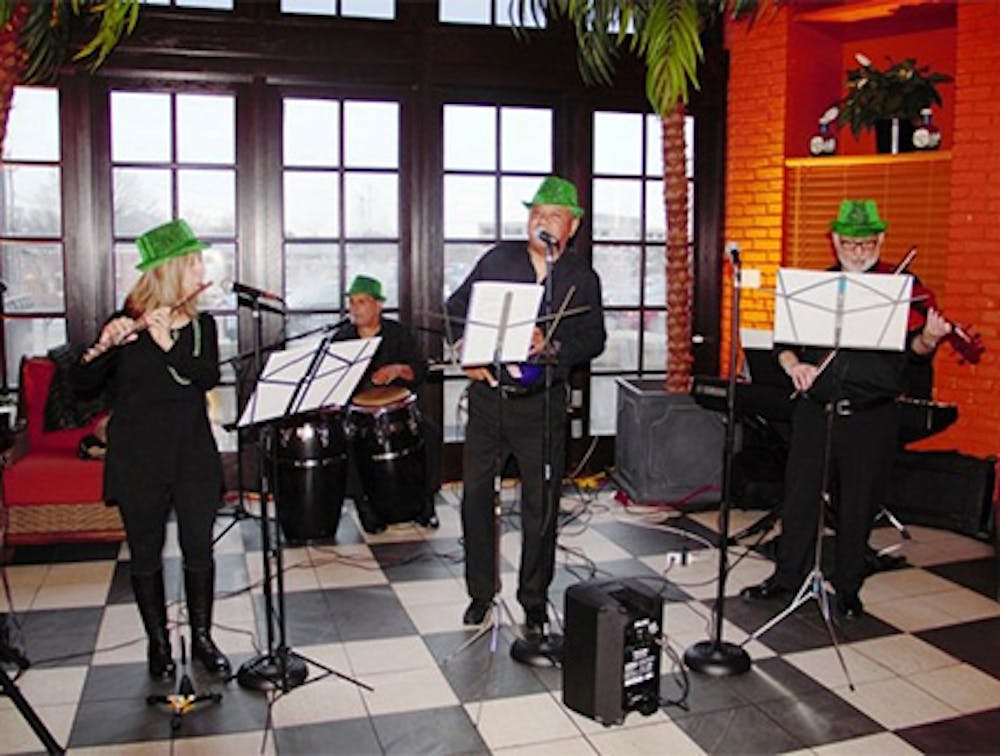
(858, 218)
(366, 285)
(173, 239)
(557, 191)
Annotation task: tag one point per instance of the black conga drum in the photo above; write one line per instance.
(383, 428)
(311, 475)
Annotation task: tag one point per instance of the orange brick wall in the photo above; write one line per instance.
(755, 160)
(757, 99)
(972, 284)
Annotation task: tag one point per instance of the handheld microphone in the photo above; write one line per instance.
(544, 236)
(234, 287)
(733, 252)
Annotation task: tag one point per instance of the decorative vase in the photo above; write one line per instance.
(893, 135)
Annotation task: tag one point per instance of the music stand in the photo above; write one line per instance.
(835, 309)
(294, 381)
(498, 328)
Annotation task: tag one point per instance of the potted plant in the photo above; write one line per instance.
(890, 100)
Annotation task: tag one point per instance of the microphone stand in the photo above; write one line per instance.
(544, 650)
(716, 657)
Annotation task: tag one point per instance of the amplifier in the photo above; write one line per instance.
(611, 652)
(944, 489)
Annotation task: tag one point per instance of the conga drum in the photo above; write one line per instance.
(383, 428)
(310, 475)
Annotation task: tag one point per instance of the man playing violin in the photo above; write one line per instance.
(397, 362)
(494, 434)
(859, 386)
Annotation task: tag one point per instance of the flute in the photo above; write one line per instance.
(140, 325)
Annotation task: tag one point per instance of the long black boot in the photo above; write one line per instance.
(200, 588)
(149, 595)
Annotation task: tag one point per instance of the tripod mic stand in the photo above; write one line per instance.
(239, 511)
(814, 585)
(9, 688)
(715, 656)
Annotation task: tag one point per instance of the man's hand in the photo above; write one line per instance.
(803, 375)
(480, 374)
(391, 372)
(537, 341)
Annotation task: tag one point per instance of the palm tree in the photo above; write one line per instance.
(666, 34)
(35, 36)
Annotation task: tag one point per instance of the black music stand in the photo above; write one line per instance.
(293, 382)
(498, 329)
(835, 310)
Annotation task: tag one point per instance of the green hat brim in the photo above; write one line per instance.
(578, 212)
(862, 229)
(187, 249)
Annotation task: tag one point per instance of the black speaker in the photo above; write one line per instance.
(667, 448)
(611, 653)
(943, 489)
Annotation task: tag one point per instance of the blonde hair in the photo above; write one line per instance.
(163, 286)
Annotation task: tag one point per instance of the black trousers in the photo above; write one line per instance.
(145, 522)
(862, 448)
(498, 428)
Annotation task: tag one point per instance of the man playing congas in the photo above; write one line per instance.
(396, 370)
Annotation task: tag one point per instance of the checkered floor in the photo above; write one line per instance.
(386, 611)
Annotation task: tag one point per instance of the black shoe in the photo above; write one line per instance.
(160, 661)
(429, 521)
(372, 525)
(203, 649)
(476, 612)
(849, 606)
(769, 589)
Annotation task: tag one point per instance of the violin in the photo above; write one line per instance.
(966, 343)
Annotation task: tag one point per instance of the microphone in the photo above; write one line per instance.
(234, 287)
(733, 253)
(544, 236)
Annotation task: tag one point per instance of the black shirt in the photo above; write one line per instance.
(397, 346)
(577, 338)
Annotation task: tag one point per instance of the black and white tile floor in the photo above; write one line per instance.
(386, 610)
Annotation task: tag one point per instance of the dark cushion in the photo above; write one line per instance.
(36, 375)
(64, 408)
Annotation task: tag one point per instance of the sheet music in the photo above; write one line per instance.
(482, 323)
(341, 367)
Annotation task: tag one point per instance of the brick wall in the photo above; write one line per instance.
(971, 294)
(755, 159)
(972, 284)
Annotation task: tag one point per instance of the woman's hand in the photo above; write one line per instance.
(158, 321)
(118, 331)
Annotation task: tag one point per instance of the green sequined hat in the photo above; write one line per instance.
(557, 191)
(173, 239)
(858, 218)
(366, 285)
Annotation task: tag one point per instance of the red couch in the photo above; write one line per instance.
(50, 495)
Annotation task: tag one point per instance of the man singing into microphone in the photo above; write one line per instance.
(493, 434)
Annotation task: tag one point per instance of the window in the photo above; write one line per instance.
(173, 155)
(341, 203)
(486, 13)
(629, 253)
(494, 159)
(31, 229)
(372, 9)
(207, 4)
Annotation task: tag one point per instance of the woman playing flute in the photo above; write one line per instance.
(158, 357)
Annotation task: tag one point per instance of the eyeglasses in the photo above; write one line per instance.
(853, 245)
